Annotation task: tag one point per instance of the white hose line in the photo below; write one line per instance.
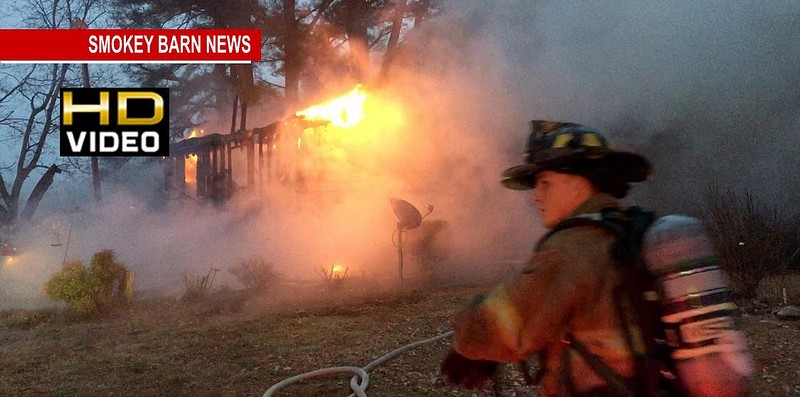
(359, 389)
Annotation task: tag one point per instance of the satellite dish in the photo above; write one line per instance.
(408, 216)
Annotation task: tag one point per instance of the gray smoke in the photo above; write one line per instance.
(709, 93)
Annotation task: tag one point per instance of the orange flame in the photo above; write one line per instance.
(345, 111)
(337, 269)
(338, 272)
(190, 166)
(190, 169)
(344, 139)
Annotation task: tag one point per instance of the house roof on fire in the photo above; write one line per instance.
(204, 143)
(264, 134)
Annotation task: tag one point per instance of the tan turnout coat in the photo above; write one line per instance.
(566, 288)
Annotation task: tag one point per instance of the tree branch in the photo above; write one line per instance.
(322, 7)
(4, 192)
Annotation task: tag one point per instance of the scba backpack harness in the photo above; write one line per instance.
(680, 301)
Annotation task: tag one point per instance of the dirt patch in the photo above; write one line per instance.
(240, 348)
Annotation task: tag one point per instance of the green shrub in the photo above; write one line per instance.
(102, 288)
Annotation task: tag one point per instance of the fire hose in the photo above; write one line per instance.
(360, 379)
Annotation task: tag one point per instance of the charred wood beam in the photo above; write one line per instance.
(180, 174)
(168, 167)
(260, 162)
(250, 165)
(203, 171)
(229, 175)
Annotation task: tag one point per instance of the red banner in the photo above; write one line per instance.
(130, 45)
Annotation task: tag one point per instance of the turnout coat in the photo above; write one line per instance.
(565, 289)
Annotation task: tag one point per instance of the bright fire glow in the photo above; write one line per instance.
(190, 165)
(337, 269)
(195, 134)
(360, 122)
(340, 143)
(190, 169)
(345, 111)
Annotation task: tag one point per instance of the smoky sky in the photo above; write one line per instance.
(708, 91)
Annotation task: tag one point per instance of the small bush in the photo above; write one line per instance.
(103, 288)
(255, 273)
(335, 276)
(750, 239)
(198, 287)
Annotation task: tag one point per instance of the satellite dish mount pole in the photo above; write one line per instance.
(408, 217)
(400, 253)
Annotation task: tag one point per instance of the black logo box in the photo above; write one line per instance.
(88, 123)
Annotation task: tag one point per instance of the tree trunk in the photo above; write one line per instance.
(244, 83)
(419, 12)
(394, 37)
(38, 192)
(96, 186)
(356, 29)
(235, 112)
(291, 54)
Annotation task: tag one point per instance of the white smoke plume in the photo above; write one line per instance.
(707, 92)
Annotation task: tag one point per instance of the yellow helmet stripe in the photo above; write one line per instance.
(561, 141)
(591, 139)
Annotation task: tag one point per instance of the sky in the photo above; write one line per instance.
(708, 93)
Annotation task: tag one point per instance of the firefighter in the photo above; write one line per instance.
(565, 293)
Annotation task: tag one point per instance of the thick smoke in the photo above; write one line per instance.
(708, 93)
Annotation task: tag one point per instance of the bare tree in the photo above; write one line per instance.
(198, 90)
(375, 26)
(394, 37)
(30, 115)
(40, 92)
(751, 238)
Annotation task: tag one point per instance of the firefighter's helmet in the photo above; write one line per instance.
(570, 148)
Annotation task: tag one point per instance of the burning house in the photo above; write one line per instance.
(345, 155)
(301, 147)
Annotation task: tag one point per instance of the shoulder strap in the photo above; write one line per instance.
(618, 383)
(628, 227)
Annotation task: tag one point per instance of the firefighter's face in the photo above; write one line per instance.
(557, 195)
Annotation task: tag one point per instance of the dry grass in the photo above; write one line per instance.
(780, 290)
(170, 348)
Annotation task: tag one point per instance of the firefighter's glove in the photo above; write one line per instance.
(471, 374)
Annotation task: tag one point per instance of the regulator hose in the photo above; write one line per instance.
(360, 379)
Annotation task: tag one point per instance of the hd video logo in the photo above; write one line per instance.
(115, 122)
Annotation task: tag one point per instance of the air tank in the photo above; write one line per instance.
(710, 353)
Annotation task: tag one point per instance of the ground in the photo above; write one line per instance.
(236, 347)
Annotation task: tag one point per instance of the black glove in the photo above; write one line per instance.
(471, 374)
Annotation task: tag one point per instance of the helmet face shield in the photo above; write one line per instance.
(560, 146)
